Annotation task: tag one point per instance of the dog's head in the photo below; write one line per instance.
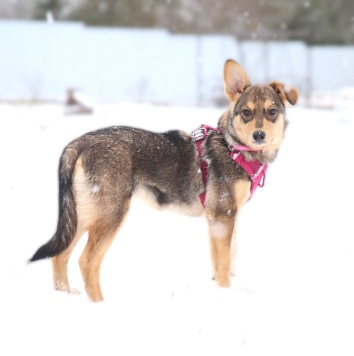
(257, 115)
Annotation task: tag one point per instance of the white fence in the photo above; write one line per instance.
(40, 61)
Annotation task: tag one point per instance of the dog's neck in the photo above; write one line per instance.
(225, 126)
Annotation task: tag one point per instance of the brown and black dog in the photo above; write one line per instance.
(101, 171)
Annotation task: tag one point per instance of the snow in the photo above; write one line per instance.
(293, 293)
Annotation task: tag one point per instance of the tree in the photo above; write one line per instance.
(326, 21)
(314, 21)
(123, 13)
(44, 7)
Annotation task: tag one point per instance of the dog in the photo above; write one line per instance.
(202, 173)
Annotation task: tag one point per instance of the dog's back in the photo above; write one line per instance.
(100, 171)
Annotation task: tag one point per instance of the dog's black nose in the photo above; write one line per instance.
(259, 136)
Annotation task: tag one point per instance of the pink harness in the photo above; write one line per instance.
(255, 169)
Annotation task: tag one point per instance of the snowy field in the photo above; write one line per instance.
(294, 291)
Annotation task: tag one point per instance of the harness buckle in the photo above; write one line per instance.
(235, 155)
(198, 134)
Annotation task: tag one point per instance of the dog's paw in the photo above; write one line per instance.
(233, 272)
(67, 289)
(72, 290)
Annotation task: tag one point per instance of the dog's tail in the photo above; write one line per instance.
(67, 220)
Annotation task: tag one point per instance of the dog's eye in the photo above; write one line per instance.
(246, 112)
(272, 111)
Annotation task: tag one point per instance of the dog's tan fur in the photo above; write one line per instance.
(99, 173)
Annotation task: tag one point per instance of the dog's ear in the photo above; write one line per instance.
(235, 80)
(285, 96)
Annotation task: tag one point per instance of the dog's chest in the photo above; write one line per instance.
(228, 184)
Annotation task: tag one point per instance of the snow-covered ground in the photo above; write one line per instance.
(294, 292)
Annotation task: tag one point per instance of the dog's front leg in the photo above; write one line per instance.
(220, 232)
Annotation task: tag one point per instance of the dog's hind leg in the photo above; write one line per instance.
(60, 265)
(101, 235)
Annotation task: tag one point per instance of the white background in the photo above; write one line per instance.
(293, 294)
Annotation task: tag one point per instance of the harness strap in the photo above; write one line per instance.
(199, 135)
(255, 169)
